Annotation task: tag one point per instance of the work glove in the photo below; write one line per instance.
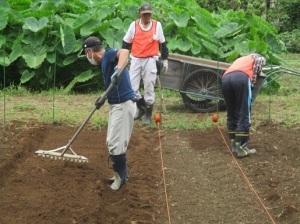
(165, 66)
(98, 103)
(114, 78)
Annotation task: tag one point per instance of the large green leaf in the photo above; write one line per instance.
(229, 43)
(204, 21)
(254, 31)
(16, 53)
(180, 20)
(102, 27)
(126, 24)
(4, 4)
(51, 57)
(50, 48)
(26, 76)
(35, 25)
(243, 48)
(204, 25)
(116, 23)
(34, 57)
(209, 38)
(258, 46)
(4, 60)
(34, 39)
(88, 28)
(173, 44)
(2, 40)
(196, 49)
(67, 38)
(3, 18)
(18, 40)
(70, 86)
(228, 30)
(212, 48)
(232, 55)
(194, 39)
(274, 44)
(83, 77)
(113, 38)
(81, 20)
(183, 45)
(70, 60)
(263, 26)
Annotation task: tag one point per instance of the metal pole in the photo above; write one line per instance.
(54, 80)
(4, 90)
(270, 89)
(218, 89)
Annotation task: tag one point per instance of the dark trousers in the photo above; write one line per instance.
(236, 89)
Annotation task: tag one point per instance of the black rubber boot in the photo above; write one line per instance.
(231, 135)
(120, 169)
(148, 115)
(241, 140)
(141, 105)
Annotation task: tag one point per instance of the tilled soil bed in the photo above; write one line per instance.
(204, 183)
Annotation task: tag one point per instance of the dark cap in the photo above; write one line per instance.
(89, 43)
(145, 8)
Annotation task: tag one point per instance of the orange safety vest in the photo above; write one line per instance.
(242, 64)
(143, 45)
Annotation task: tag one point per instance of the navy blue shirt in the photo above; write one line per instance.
(121, 92)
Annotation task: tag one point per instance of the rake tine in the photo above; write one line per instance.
(54, 154)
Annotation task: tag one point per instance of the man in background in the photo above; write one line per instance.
(143, 38)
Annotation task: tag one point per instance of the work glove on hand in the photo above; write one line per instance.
(98, 103)
(165, 66)
(114, 78)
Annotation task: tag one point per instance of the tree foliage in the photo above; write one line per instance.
(40, 40)
(285, 15)
(256, 7)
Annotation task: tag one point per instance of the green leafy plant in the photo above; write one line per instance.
(40, 40)
(285, 15)
(291, 40)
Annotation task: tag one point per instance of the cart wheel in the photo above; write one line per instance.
(200, 83)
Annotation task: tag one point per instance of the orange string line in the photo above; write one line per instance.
(245, 177)
(163, 171)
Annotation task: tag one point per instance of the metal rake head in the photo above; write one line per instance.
(54, 154)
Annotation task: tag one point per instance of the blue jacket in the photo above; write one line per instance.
(121, 92)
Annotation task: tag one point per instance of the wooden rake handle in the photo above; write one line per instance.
(164, 109)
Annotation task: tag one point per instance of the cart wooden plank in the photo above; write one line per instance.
(200, 61)
(180, 66)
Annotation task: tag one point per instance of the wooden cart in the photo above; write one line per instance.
(199, 81)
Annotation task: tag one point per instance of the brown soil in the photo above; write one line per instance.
(204, 183)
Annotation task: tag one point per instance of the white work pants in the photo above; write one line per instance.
(120, 124)
(143, 69)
